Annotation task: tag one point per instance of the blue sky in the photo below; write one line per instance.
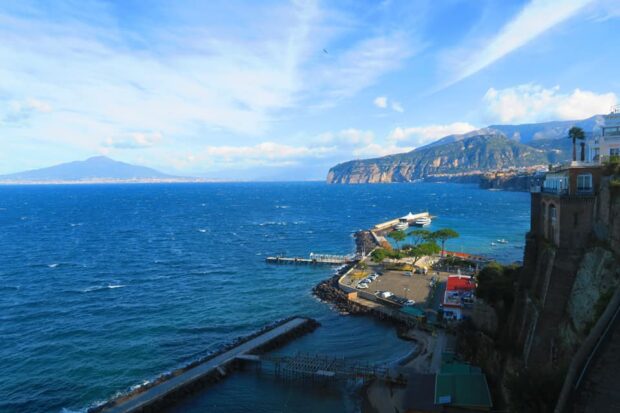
(284, 90)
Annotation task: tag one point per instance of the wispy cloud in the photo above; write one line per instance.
(534, 19)
(106, 80)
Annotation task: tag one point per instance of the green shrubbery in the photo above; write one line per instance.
(534, 391)
(496, 284)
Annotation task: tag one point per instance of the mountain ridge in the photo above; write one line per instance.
(475, 152)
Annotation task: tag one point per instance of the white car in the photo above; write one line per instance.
(409, 303)
(362, 286)
(385, 294)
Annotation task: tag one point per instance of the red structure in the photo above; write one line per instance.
(459, 295)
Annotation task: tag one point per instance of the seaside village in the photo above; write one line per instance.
(412, 277)
(405, 273)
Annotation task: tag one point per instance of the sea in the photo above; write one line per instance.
(105, 287)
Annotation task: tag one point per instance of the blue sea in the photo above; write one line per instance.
(103, 287)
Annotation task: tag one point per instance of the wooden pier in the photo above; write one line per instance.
(169, 390)
(326, 259)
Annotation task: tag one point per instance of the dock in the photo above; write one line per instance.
(169, 390)
(317, 367)
(325, 259)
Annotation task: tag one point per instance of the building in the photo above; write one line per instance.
(606, 141)
(459, 295)
(562, 207)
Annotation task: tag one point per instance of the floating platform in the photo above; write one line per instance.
(212, 369)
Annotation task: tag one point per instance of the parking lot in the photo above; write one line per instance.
(414, 287)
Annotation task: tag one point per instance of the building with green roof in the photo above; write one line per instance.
(462, 386)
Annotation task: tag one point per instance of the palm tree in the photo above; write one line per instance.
(576, 133)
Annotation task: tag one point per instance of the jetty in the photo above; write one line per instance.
(316, 367)
(210, 370)
(389, 225)
(326, 259)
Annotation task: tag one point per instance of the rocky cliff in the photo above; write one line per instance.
(489, 150)
(510, 181)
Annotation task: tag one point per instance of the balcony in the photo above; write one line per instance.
(554, 191)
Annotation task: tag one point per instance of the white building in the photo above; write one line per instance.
(606, 141)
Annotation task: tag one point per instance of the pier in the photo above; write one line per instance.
(315, 367)
(326, 259)
(210, 370)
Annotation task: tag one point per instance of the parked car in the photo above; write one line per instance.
(409, 303)
(362, 286)
(385, 294)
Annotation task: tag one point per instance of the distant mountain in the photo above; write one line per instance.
(488, 149)
(97, 168)
(530, 132)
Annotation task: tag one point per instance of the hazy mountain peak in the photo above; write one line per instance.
(92, 169)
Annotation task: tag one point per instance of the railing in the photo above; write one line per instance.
(556, 191)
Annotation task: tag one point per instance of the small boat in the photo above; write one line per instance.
(423, 221)
(493, 244)
(502, 241)
(402, 225)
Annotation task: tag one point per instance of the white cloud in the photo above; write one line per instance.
(18, 111)
(421, 135)
(380, 102)
(535, 18)
(134, 140)
(376, 150)
(265, 151)
(533, 103)
(383, 102)
(347, 137)
(396, 106)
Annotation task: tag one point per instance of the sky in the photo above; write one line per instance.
(283, 90)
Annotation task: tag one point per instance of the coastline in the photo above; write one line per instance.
(377, 396)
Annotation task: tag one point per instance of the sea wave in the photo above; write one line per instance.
(102, 287)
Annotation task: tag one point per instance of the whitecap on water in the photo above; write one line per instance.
(102, 287)
(203, 230)
(54, 265)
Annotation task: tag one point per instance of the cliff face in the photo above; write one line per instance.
(490, 150)
(561, 296)
(510, 181)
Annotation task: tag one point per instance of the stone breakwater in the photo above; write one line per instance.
(364, 242)
(328, 291)
(208, 379)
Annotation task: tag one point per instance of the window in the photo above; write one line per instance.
(614, 151)
(584, 182)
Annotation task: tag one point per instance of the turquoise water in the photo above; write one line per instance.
(105, 286)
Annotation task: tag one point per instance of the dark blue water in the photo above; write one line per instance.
(105, 286)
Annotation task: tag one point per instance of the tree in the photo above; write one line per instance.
(363, 267)
(397, 236)
(423, 250)
(576, 133)
(443, 235)
(420, 235)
